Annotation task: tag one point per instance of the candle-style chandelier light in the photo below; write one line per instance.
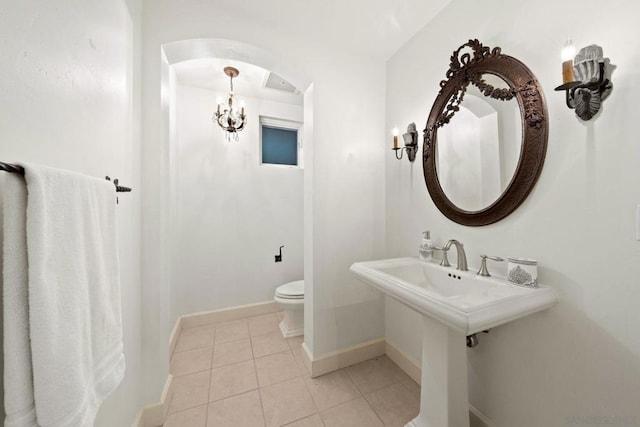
(227, 115)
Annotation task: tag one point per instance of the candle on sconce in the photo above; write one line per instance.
(568, 53)
(242, 105)
(395, 133)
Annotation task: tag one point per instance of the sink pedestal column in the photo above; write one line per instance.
(443, 399)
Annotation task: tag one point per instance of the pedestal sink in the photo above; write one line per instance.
(454, 304)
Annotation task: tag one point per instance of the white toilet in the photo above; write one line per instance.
(290, 297)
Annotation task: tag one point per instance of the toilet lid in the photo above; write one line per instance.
(291, 290)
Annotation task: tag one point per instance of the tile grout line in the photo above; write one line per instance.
(401, 384)
(185, 410)
(264, 417)
(362, 395)
(255, 370)
(341, 403)
(353, 381)
(311, 394)
(345, 402)
(279, 381)
(253, 355)
(176, 350)
(206, 414)
(312, 399)
(373, 410)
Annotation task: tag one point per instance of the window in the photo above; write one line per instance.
(279, 146)
(280, 142)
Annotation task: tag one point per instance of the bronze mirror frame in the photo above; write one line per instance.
(467, 68)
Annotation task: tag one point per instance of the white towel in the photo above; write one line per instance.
(18, 381)
(74, 295)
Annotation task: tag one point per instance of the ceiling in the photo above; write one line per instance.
(375, 28)
(207, 73)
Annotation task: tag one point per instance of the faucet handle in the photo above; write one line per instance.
(445, 260)
(483, 265)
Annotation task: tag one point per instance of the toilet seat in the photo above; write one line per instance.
(291, 290)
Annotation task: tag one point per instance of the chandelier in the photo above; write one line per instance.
(227, 115)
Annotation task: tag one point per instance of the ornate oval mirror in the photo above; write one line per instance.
(486, 136)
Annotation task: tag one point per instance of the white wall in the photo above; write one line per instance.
(68, 102)
(233, 214)
(582, 357)
(342, 174)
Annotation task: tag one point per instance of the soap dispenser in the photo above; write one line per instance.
(426, 249)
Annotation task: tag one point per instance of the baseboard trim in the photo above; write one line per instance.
(408, 365)
(333, 361)
(139, 421)
(227, 314)
(175, 334)
(478, 419)
(154, 415)
(307, 357)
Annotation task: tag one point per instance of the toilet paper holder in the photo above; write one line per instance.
(279, 256)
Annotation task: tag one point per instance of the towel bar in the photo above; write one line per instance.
(7, 167)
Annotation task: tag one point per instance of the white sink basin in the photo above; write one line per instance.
(454, 304)
(460, 299)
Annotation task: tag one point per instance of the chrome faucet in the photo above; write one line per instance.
(462, 257)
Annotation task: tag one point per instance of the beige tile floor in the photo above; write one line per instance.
(244, 373)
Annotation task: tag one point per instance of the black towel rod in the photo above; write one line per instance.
(8, 167)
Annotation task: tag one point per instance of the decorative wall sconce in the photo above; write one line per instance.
(227, 115)
(586, 79)
(410, 142)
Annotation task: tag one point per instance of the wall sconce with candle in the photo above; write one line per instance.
(586, 79)
(410, 142)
